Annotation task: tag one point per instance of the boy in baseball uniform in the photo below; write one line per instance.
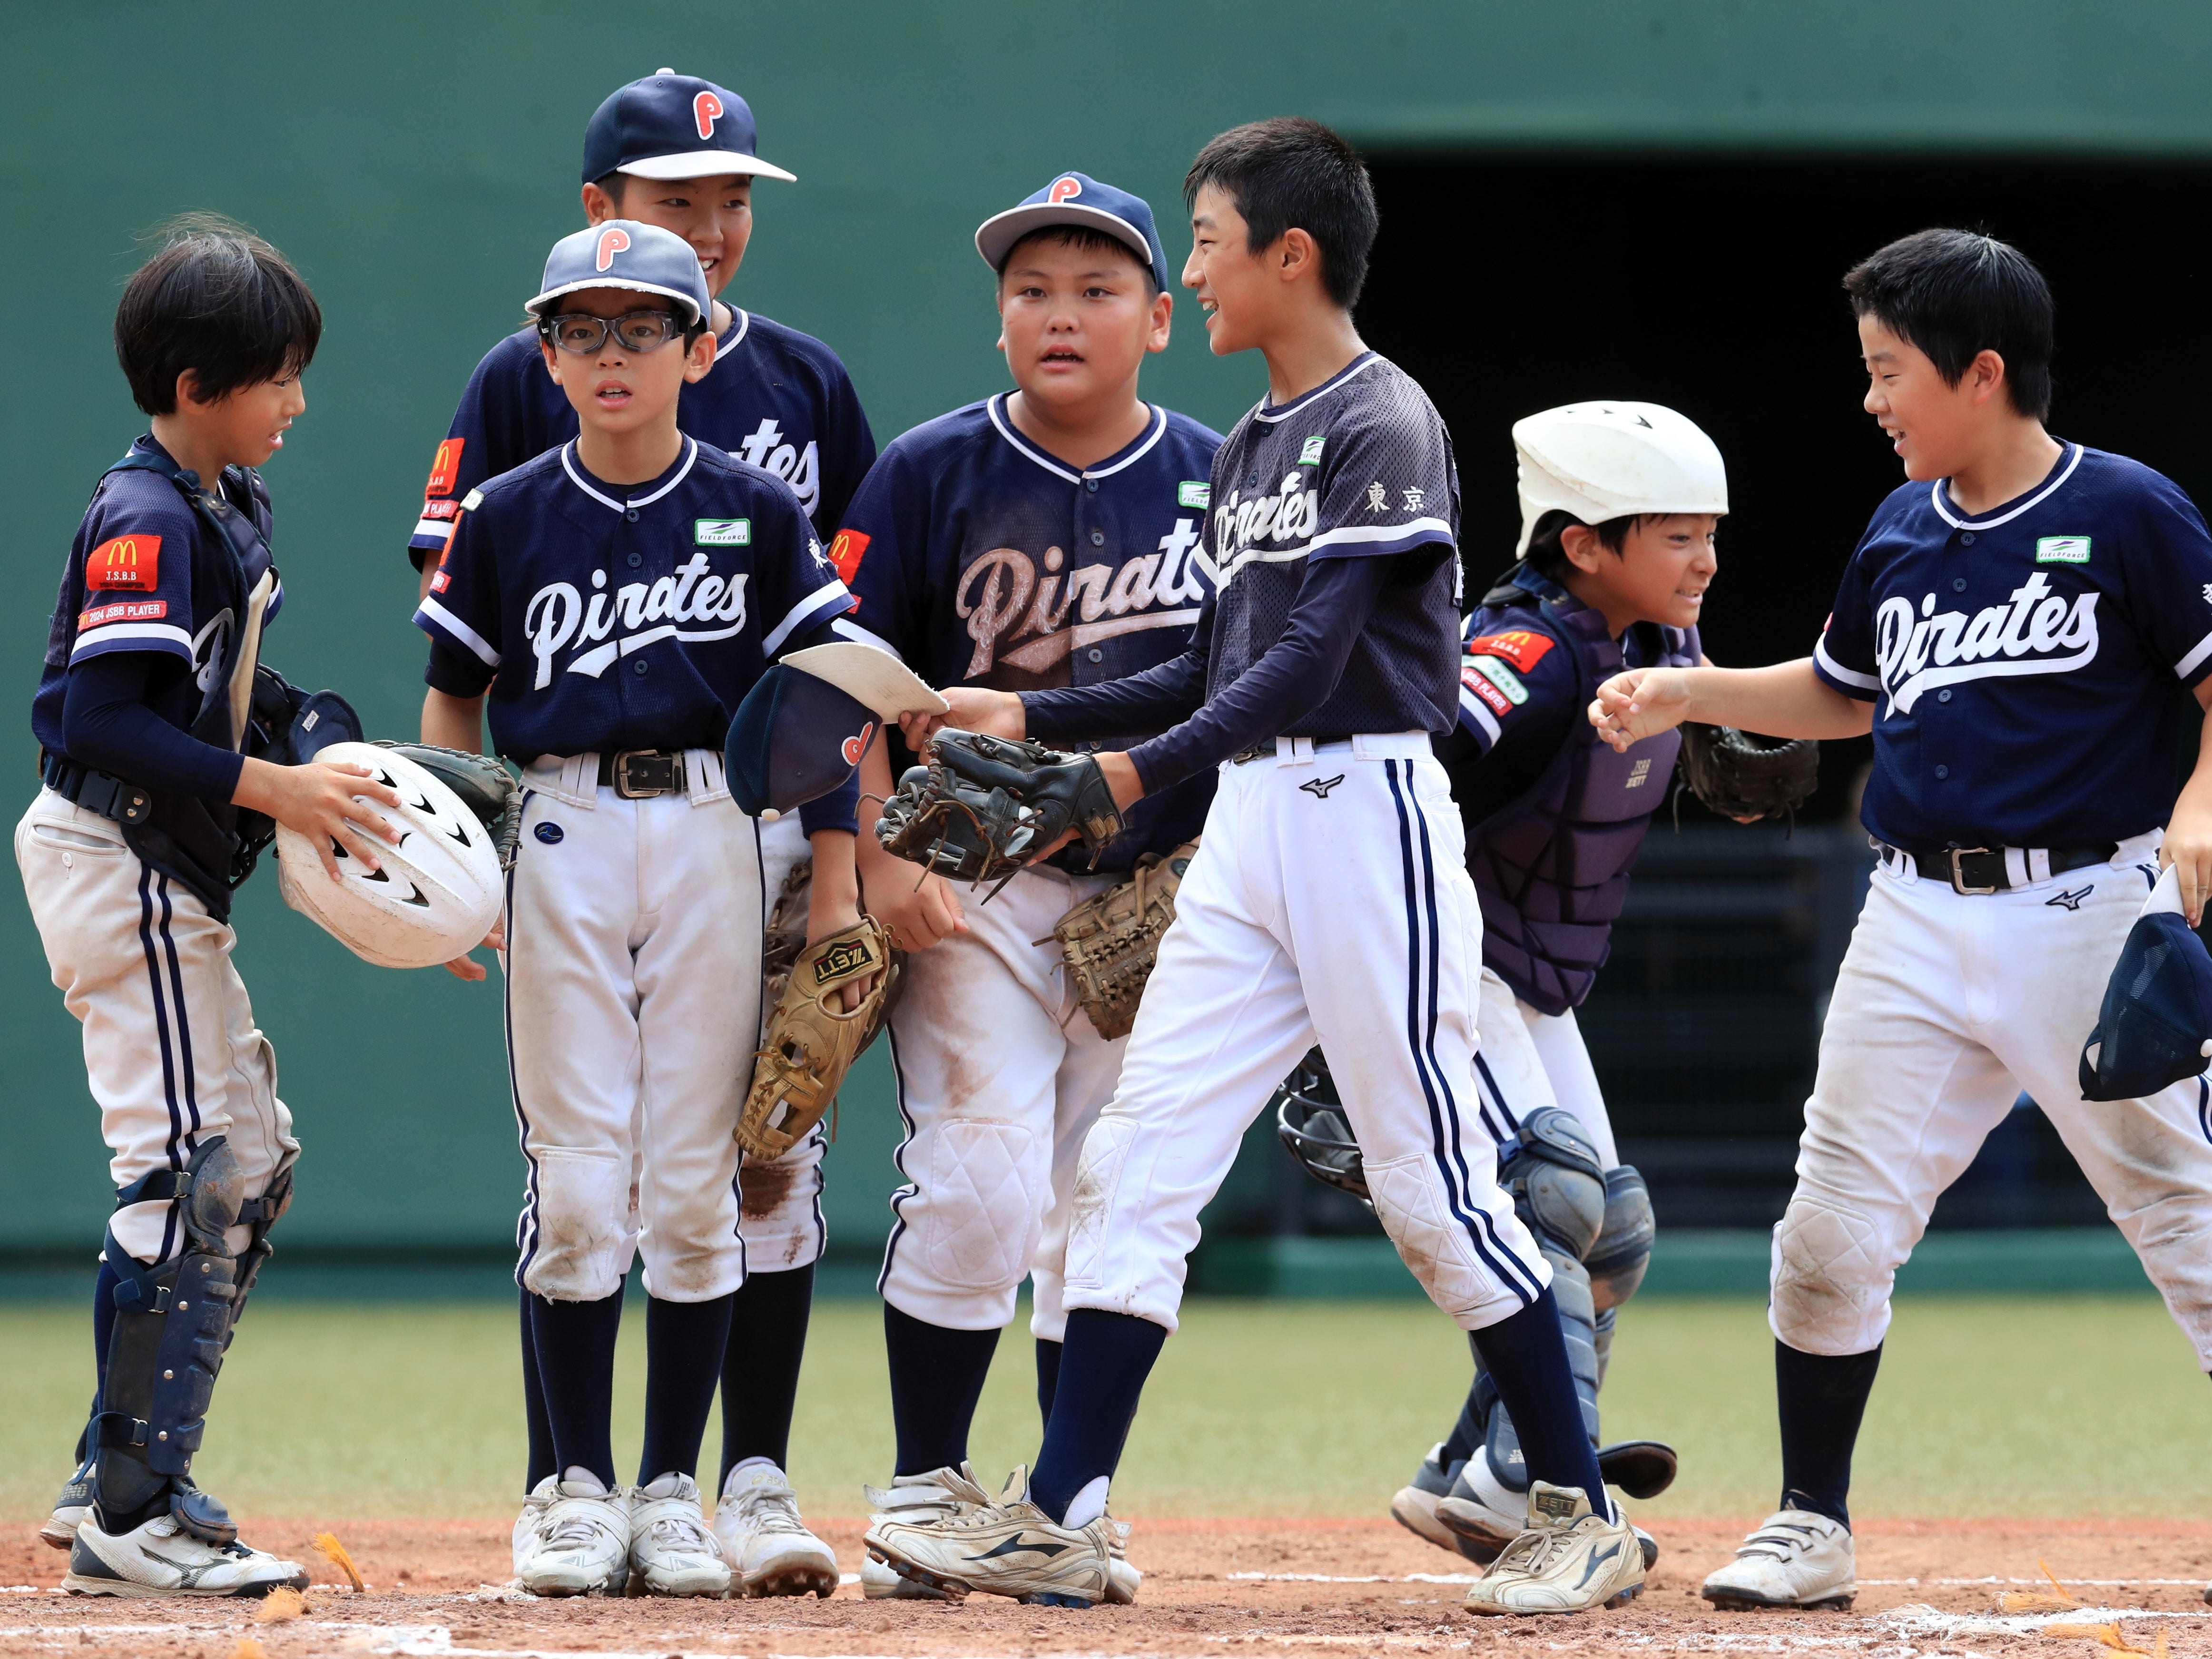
(2021, 628)
(606, 606)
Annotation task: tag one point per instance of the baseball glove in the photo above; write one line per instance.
(486, 787)
(982, 807)
(813, 1039)
(1740, 775)
(1110, 942)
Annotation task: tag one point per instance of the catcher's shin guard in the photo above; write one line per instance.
(172, 1324)
(1617, 1261)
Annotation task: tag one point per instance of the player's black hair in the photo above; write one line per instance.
(1956, 293)
(1548, 556)
(216, 299)
(1084, 238)
(1291, 172)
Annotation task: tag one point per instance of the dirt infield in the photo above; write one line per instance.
(1211, 1587)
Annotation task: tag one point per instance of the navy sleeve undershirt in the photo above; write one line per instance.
(107, 726)
(1294, 677)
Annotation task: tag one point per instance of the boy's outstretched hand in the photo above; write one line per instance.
(1640, 703)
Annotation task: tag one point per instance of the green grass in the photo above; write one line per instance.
(2006, 1406)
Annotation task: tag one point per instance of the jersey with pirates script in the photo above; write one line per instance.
(978, 558)
(2029, 666)
(1360, 467)
(775, 398)
(601, 617)
(145, 573)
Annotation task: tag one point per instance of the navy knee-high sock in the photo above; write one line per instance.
(575, 1343)
(1047, 1370)
(1821, 1399)
(937, 1378)
(760, 1365)
(684, 1342)
(538, 1426)
(1102, 1368)
(1527, 1357)
(1466, 1437)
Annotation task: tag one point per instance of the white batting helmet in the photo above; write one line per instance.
(438, 891)
(1606, 460)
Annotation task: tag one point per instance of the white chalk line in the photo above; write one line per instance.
(1892, 1583)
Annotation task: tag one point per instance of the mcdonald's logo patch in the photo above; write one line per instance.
(1520, 647)
(127, 562)
(123, 610)
(853, 748)
(446, 466)
(612, 240)
(705, 110)
(845, 551)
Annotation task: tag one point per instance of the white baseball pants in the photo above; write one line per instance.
(779, 1199)
(633, 1001)
(1531, 1059)
(1001, 1076)
(171, 1050)
(1945, 1007)
(1329, 900)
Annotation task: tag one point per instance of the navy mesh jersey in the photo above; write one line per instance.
(1360, 467)
(774, 398)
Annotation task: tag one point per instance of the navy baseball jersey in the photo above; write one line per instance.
(603, 617)
(145, 574)
(775, 398)
(1360, 467)
(2028, 667)
(980, 558)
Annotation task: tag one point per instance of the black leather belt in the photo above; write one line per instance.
(1975, 870)
(96, 791)
(1267, 750)
(641, 774)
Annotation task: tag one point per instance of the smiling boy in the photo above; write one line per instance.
(2021, 628)
(1044, 537)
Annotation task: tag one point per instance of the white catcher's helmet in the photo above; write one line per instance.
(1606, 460)
(439, 890)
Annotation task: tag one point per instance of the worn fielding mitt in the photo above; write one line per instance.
(813, 1039)
(1110, 942)
(982, 807)
(486, 787)
(1740, 775)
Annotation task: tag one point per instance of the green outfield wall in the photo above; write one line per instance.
(416, 160)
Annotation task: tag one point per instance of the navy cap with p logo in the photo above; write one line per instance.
(2155, 1027)
(674, 127)
(625, 253)
(1077, 198)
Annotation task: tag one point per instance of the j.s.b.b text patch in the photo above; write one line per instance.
(129, 564)
(1523, 647)
(722, 532)
(2062, 549)
(1195, 493)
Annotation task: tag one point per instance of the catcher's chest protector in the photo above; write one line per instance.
(1552, 867)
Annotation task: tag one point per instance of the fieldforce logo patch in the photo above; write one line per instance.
(125, 561)
(2036, 632)
(1523, 647)
(446, 465)
(1194, 493)
(1309, 452)
(2062, 549)
(472, 501)
(721, 532)
(1501, 677)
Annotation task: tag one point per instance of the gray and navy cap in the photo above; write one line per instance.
(1076, 199)
(624, 253)
(674, 127)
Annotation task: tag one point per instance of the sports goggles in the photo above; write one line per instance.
(581, 334)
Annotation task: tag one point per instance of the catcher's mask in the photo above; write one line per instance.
(1310, 1120)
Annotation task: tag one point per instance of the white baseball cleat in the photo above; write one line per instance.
(161, 1559)
(1795, 1558)
(534, 1505)
(1008, 1547)
(70, 1509)
(1480, 1511)
(581, 1545)
(769, 1549)
(1122, 1580)
(1568, 1560)
(1415, 1508)
(919, 1499)
(671, 1551)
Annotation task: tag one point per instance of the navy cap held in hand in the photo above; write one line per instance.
(674, 127)
(1076, 199)
(2155, 1027)
(807, 721)
(624, 254)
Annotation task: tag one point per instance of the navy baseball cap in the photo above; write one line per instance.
(674, 127)
(807, 721)
(2155, 1027)
(1076, 199)
(624, 253)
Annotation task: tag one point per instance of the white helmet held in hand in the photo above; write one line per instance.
(439, 890)
(1606, 460)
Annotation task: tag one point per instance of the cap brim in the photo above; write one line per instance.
(704, 164)
(873, 677)
(537, 305)
(996, 236)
